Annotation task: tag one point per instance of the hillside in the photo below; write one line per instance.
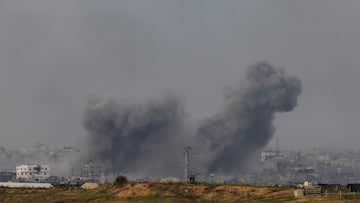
(166, 193)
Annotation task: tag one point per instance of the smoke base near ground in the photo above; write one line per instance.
(147, 137)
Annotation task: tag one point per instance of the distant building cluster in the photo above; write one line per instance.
(274, 167)
(293, 167)
(32, 172)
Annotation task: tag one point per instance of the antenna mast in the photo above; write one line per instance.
(187, 151)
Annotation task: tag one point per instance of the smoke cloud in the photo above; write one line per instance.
(246, 124)
(133, 137)
(148, 137)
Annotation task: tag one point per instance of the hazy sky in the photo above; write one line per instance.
(52, 53)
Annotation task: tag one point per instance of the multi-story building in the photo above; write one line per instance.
(92, 172)
(32, 172)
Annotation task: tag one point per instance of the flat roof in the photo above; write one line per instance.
(25, 185)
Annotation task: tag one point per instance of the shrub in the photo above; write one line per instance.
(121, 181)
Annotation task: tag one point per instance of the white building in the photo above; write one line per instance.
(276, 155)
(25, 185)
(268, 155)
(32, 172)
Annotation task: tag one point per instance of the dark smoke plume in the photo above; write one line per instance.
(133, 137)
(246, 123)
(148, 137)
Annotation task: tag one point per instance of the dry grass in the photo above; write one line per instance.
(210, 193)
(59, 195)
(166, 193)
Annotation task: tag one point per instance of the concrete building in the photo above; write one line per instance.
(32, 172)
(92, 172)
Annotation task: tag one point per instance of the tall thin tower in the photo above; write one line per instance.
(277, 144)
(187, 151)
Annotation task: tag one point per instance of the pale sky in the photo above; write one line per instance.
(52, 53)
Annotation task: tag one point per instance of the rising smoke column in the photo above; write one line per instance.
(246, 124)
(133, 137)
(129, 136)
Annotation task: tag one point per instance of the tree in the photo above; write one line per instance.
(121, 181)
